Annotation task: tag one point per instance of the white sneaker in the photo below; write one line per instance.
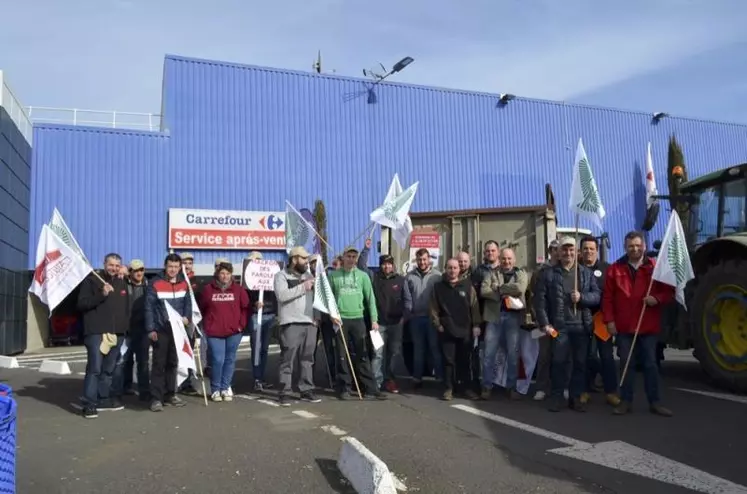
(227, 395)
(216, 396)
(539, 396)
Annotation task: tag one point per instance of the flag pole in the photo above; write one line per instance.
(575, 277)
(635, 335)
(199, 366)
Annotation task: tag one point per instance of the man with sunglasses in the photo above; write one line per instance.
(138, 345)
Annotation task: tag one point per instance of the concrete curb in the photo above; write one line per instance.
(363, 469)
(8, 362)
(55, 367)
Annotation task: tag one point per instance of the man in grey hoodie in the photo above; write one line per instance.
(294, 291)
(417, 293)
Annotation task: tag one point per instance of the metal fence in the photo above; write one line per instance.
(15, 109)
(95, 118)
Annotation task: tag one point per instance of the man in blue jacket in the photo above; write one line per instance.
(563, 299)
(170, 288)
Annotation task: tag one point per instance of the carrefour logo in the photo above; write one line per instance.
(271, 222)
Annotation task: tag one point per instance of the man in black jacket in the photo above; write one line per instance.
(138, 344)
(455, 313)
(387, 287)
(604, 364)
(563, 299)
(106, 318)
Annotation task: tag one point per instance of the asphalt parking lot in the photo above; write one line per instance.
(430, 445)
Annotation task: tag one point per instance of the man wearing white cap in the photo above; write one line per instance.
(563, 299)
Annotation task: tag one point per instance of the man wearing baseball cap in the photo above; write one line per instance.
(294, 290)
(563, 299)
(353, 291)
(138, 344)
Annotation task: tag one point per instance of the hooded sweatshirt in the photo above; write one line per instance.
(389, 299)
(225, 309)
(353, 289)
(295, 305)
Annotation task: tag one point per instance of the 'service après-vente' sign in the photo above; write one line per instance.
(226, 230)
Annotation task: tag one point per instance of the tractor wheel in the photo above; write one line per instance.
(718, 317)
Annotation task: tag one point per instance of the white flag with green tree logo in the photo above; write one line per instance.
(324, 299)
(394, 212)
(298, 231)
(673, 265)
(59, 227)
(585, 200)
(402, 233)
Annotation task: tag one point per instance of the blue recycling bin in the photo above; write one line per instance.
(7, 445)
(6, 390)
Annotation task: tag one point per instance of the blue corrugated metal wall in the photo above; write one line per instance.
(249, 138)
(15, 182)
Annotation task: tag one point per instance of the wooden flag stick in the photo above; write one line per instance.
(635, 335)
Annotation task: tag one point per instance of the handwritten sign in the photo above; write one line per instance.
(258, 274)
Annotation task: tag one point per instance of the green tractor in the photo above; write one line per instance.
(713, 209)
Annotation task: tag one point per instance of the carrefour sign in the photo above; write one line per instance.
(226, 230)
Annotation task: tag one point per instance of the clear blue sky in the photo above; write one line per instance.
(685, 57)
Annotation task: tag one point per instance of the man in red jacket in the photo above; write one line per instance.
(626, 290)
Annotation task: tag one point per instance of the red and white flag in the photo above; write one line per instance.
(181, 342)
(651, 191)
(59, 269)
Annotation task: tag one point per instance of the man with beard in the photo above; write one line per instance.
(455, 313)
(294, 291)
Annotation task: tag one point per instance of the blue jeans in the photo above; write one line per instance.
(569, 354)
(424, 339)
(265, 330)
(645, 349)
(222, 361)
(602, 361)
(506, 332)
(97, 384)
(138, 348)
(383, 361)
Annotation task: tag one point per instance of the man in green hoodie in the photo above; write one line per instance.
(352, 289)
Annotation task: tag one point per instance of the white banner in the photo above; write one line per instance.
(260, 273)
(226, 230)
(59, 269)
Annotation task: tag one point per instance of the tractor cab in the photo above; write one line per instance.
(718, 205)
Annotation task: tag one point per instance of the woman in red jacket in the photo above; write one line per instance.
(225, 307)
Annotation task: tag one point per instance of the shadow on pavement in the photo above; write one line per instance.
(334, 477)
(57, 391)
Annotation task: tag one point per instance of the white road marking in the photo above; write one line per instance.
(333, 429)
(625, 457)
(246, 397)
(305, 414)
(268, 402)
(521, 426)
(718, 396)
(631, 459)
